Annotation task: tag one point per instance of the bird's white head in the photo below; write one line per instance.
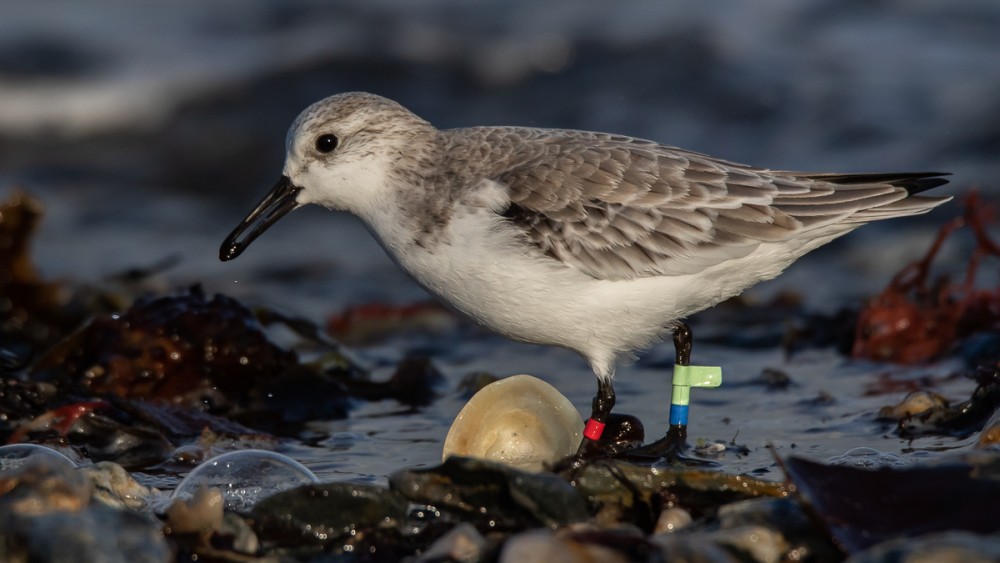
(343, 153)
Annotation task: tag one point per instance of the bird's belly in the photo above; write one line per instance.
(492, 276)
(518, 303)
(536, 299)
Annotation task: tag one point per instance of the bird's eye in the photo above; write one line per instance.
(326, 143)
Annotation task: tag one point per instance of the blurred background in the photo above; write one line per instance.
(149, 130)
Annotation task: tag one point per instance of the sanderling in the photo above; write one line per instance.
(595, 242)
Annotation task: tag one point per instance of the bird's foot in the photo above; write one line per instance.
(589, 448)
(622, 432)
(588, 451)
(669, 447)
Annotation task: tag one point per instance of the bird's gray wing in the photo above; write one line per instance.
(620, 208)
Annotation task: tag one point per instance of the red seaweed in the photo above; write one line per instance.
(914, 319)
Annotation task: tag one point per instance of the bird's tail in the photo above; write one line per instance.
(906, 203)
(912, 182)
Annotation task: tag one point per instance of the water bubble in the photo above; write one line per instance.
(867, 458)
(246, 477)
(16, 455)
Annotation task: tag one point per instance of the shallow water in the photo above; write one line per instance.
(783, 85)
(381, 437)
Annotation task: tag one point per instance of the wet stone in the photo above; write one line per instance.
(972, 415)
(114, 486)
(20, 401)
(922, 403)
(105, 436)
(775, 513)
(546, 546)
(326, 513)
(284, 403)
(948, 547)
(577, 543)
(641, 487)
(198, 352)
(170, 348)
(43, 485)
(713, 449)
(462, 543)
(179, 423)
(491, 495)
(202, 531)
(861, 508)
(96, 534)
(235, 534)
(201, 514)
(799, 539)
(10, 362)
(927, 413)
(990, 436)
(626, 539)
(672, 520)
(44, 500)
(751, 543)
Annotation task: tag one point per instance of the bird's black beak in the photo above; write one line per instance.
(275, 205)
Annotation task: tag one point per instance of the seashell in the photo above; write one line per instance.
(520, 421)
(915, 403)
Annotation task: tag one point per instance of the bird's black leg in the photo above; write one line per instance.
(604, 401)
(682, 343)
(676, 437)
(682, 348)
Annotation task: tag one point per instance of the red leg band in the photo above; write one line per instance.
(594, 429)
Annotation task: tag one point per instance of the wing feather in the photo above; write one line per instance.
(619, 208)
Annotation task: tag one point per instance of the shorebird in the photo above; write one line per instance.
(595, 242)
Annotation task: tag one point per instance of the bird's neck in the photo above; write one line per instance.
(417, 202)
